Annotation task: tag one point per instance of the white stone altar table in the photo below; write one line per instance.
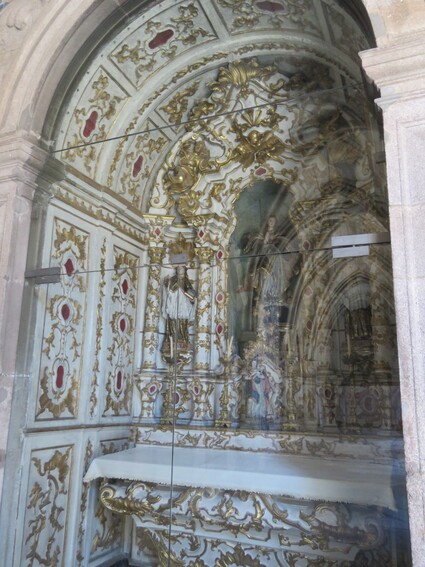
(301, 477)
(240, 505)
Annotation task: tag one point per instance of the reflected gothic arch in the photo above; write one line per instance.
(13, 115)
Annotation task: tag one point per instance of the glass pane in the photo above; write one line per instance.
(286, 433)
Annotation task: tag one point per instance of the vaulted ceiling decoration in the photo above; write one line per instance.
(167, 66)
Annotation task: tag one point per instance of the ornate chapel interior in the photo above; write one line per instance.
(208, 324)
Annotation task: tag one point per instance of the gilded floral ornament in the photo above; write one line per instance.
(257, 147)
(250, 135)
(195, 160)
(244, 75)
(162, 38)
(47, 507)
(238, 558)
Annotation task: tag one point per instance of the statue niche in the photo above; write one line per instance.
(267, 274)
(262, 276)
(178, 304)
(178, 310)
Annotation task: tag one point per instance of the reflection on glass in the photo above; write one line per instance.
(268, 371)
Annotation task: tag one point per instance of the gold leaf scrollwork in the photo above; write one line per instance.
(57, 402)
(47, 509)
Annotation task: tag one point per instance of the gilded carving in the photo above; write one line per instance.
(249, 139)
(138, 59)
(176, 108)
(156, 255)
(65, 323)
(139, 162)
(119, 382)
(251, 518)
(46, 508)
(109, 528)
(99, 331)
(91, 122)
(84, 505)
(252, 15)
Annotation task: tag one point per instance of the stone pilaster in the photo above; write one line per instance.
(397, 70)
(203, 313)
(24, 167)
(151, 340)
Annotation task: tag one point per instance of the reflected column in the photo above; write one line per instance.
(382, 335)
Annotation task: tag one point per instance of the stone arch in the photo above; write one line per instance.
(23, 111)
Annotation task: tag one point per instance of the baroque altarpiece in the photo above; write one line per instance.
(263, 331)
(224, 314)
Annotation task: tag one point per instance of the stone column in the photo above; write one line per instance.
(397, 69)
(203, 312)
(151, 342)
(23, 168)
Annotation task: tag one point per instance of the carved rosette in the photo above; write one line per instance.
(119, 382)
(63, 334)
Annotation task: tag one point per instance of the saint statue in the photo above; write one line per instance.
(178, 310)
(268, 271)
(263, 393)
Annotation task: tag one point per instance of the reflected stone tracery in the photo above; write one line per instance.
(246, 336)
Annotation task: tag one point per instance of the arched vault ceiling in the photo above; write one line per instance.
(161, 64)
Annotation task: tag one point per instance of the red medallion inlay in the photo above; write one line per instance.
(59, 376)
(123, 324)
(219, 254)
(65, 311)
(306, 245)
(309, 324)
(119, 380)
(137, 166)
(260, 171)
(201, 234)
(90, 124)
(152, 389)
(157, 231)
(124, 287)
(196, 390)
(270, 6)
(219, 297)
(69, 267)
(219, 328)
(176, 398)
(161, 38)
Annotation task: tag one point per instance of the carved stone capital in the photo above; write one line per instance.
(204, 254)
(156, 254)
